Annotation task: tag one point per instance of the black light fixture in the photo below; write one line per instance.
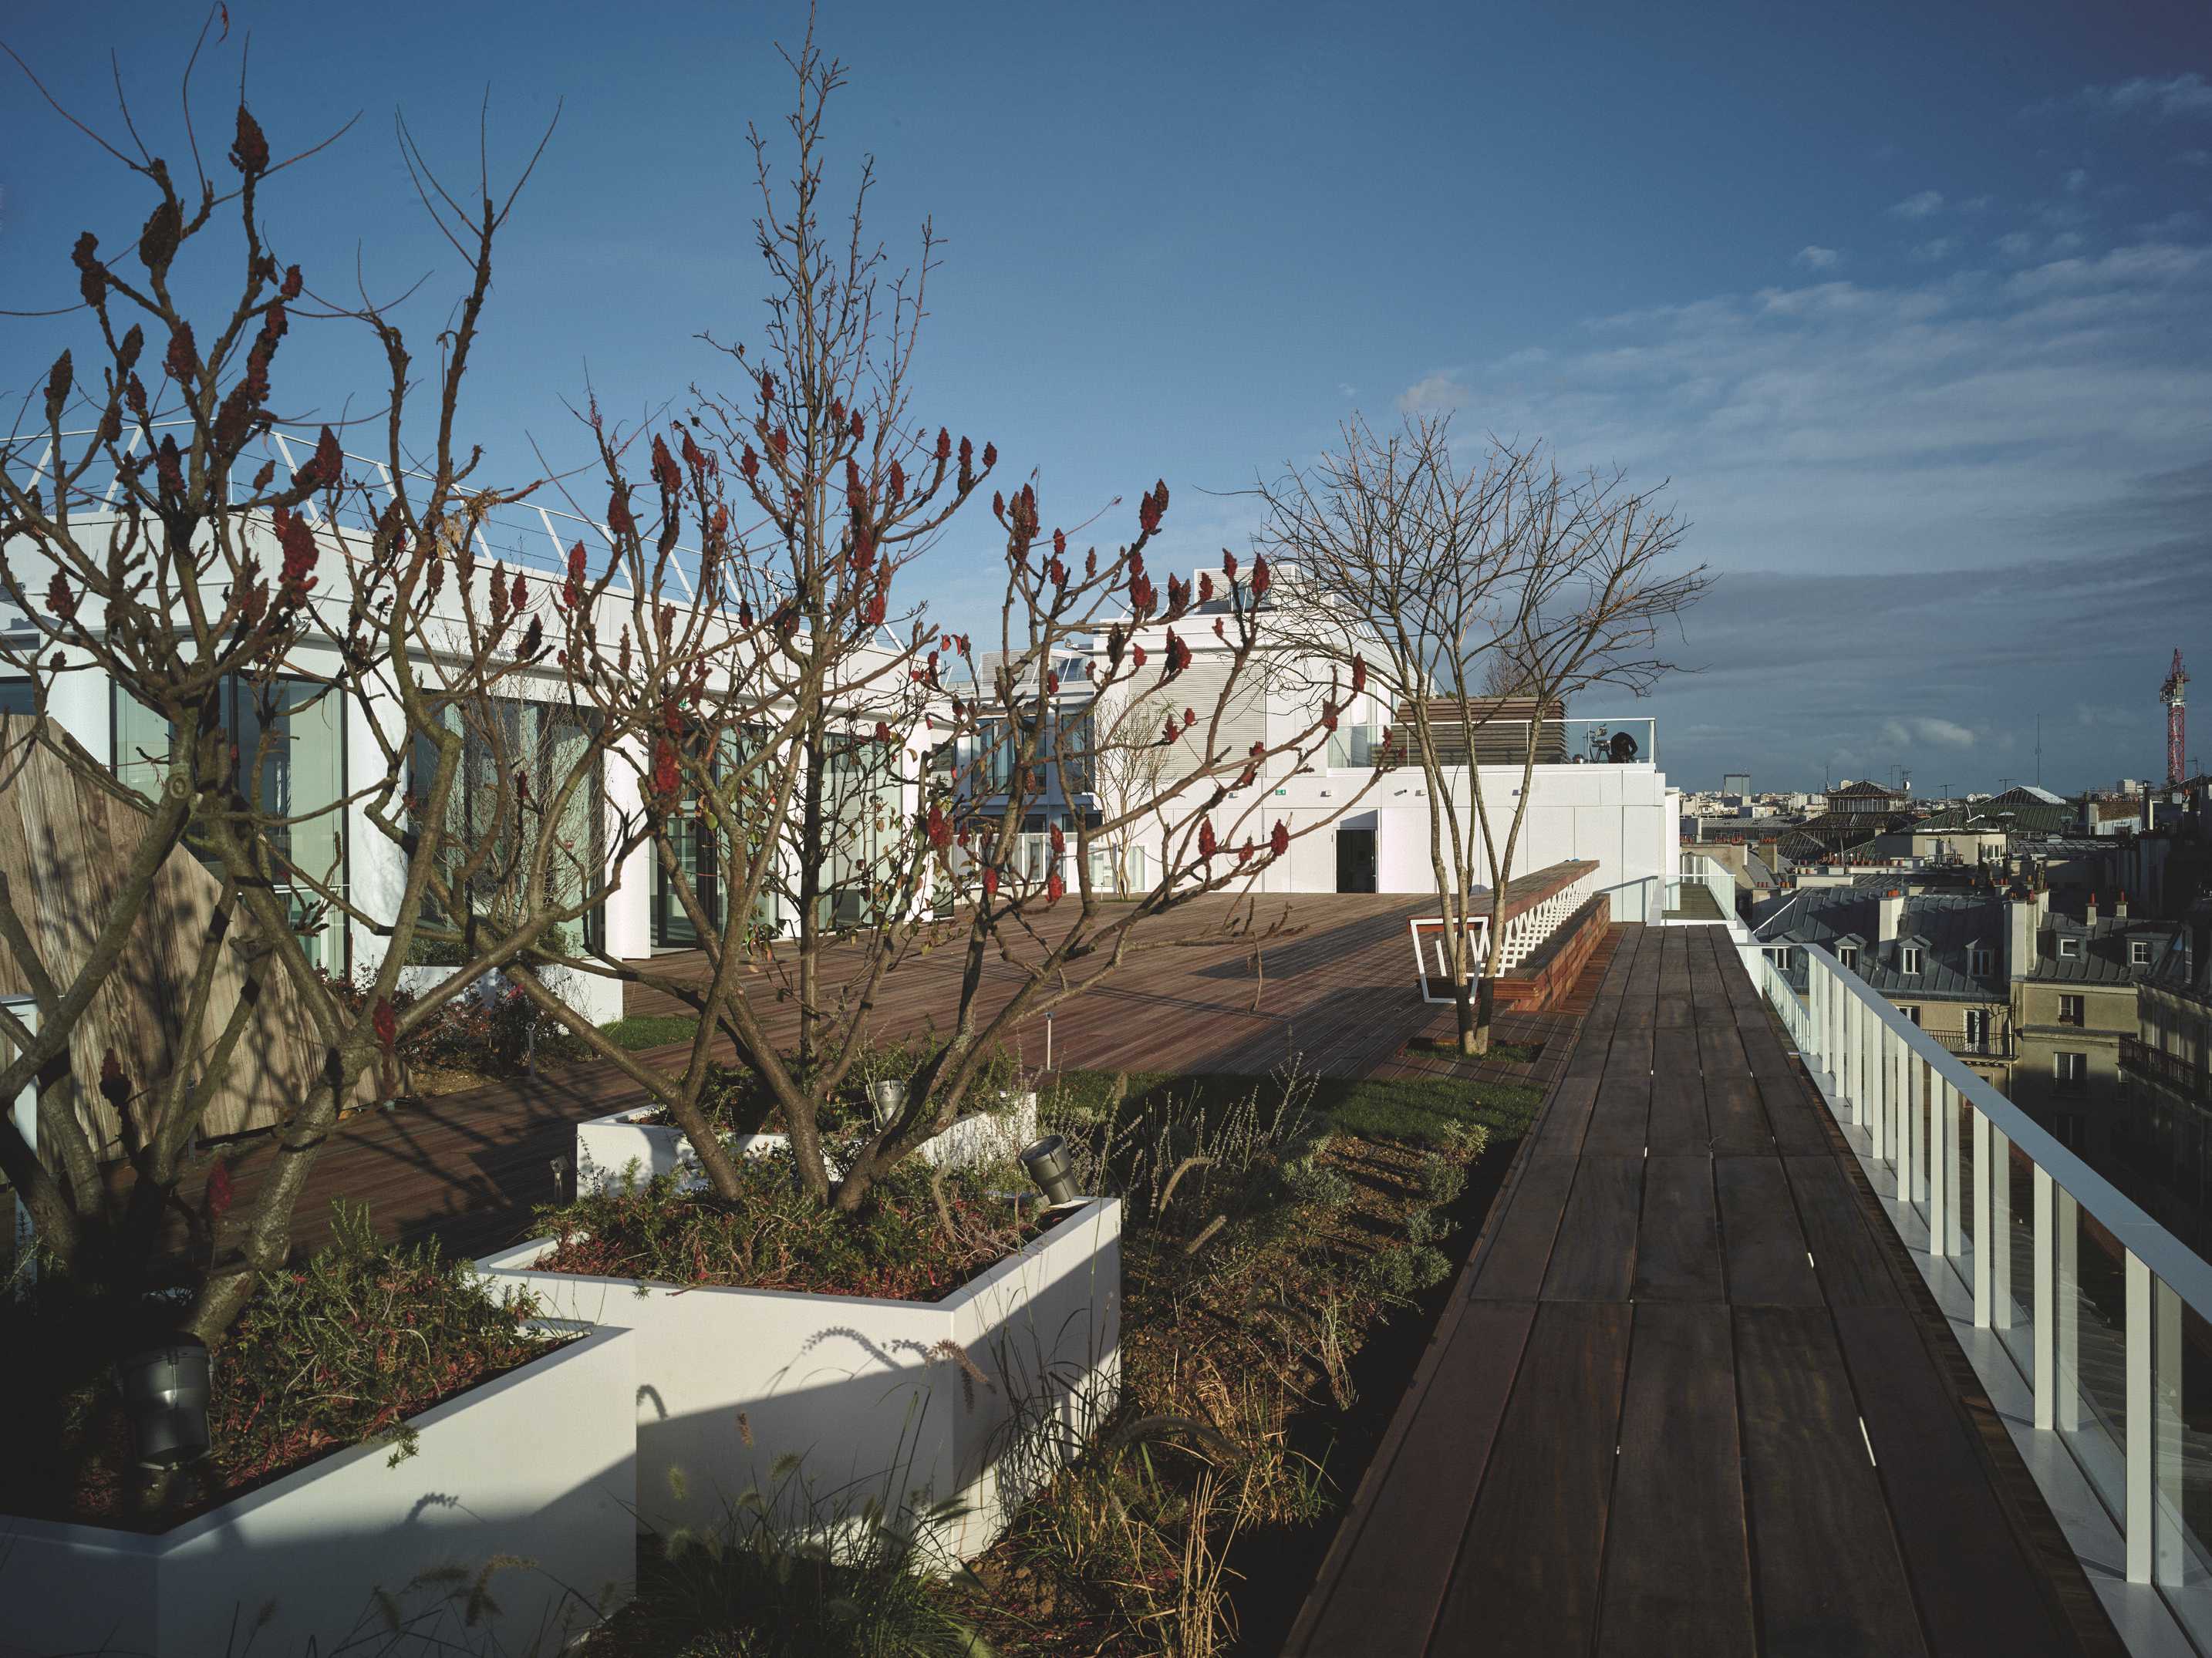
(165, 1393)
(1047, 1165)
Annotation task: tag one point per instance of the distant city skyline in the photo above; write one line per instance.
(1921, 331)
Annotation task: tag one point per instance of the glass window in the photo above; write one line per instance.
(2070, 1070)
(18, 696)
(2070, 948)
(2071, 1011)
(1911, 954)
(1849, 956)
(2138, 949)
(1981, 962)
(547, 742)
(1911, 1012)
(296, 728)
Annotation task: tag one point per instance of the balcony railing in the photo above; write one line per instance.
(1998, 1045)
(1694, 870)
(2083, 1309)
(2183, 1075)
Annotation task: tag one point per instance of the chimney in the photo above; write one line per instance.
(2022, 917)
(1892, 913)
(2089, 915)
(2120, 908)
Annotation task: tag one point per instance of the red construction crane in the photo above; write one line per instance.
(2170, 694)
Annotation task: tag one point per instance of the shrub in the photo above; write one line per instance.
(1443, 1178)
(1406, 1269)
(340, 1351)
(1427, 1226)
(1310, 1181)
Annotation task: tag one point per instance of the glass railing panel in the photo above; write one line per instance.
(2181, 1452)
(2011, 1243)
(2089, 1302)
(1962, 1258)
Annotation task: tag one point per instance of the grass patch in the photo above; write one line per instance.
(1447, 1047)
(651, 1030)
(1415, 1110)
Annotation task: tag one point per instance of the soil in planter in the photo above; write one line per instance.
(920, 1234)
(363, 1336)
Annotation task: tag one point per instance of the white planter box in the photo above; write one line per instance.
(540, 1464)
(598, 1000)
(607, 1146)
(868, 1393)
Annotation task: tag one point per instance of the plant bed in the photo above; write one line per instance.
(375, 1418)
(1259, 1375)
(913, 1401)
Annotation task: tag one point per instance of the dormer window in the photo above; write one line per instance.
(1849, 956)
(1910, 958)
(1981, 960)
(2069, 950)
(2138, 952)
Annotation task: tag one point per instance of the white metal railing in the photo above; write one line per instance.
(1695, 869)
(1526, 932)
(2109, 1303)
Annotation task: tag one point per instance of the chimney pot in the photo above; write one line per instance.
(2120, 906)
(2090, 914)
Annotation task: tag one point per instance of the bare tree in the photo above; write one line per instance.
(803, 718)
(1451, 580)
(161, 542)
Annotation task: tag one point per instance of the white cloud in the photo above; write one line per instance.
(2065, 241)
(2015, 244)
(1937, 251)
(2183, 97)
(1922, 205)
(2074, 180)
(1977, 204)
(1936, 733)
(1349, 393)
(1813, 257)
(1435, 394)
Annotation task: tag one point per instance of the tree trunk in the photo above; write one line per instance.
(1485, 1007)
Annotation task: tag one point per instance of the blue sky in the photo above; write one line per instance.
(1913, 304)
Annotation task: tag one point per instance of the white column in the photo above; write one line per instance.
(2068, 1339)
(1999, 1234)
(1984, 1207)
(2044, 1331)
(2140, 1520)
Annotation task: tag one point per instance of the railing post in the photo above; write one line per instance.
(1985, 1207)
(1907, 1121)
(1939, 1166)
(2067, 1246)
(2043, 1332)
(1999, 1236)
(1947, 1098)
(2140, 1518)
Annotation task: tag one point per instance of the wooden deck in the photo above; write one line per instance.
(1335, 989)
(1687, 1394)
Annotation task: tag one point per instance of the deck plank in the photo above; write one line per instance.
(1518, 1253)
(1824, 1558)
(1678, 1247)
(1594, 1257)
(1394, 1576)
(1527, 1576)
(1978, 1596)
(1847, 1257)
(1676, 1557)
(1763, 1246)
(1678, 1121)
